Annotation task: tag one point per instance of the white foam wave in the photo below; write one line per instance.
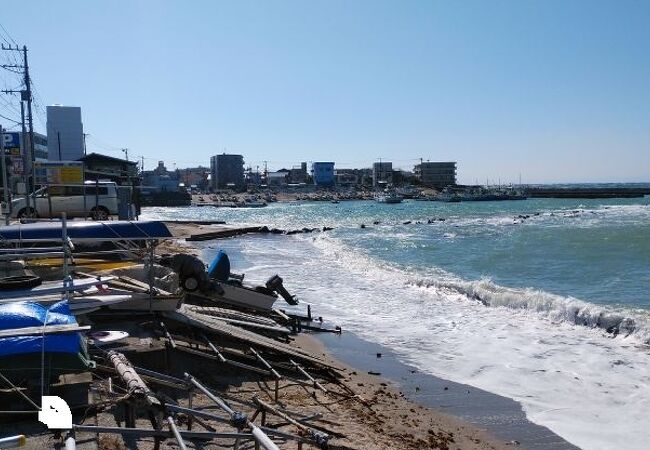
(625, 324)
(622, 323)
(569, 378)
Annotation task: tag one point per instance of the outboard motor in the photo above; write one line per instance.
(220, 267)
(275, 284)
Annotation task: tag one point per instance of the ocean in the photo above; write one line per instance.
(545, 301)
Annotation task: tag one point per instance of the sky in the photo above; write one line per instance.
(546, 90)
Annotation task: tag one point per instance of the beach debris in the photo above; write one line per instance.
(309, 377)
(133, 382)
(318, 437)
(237, 419)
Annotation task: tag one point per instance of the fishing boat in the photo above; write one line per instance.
(234, 291)
(389, 196)
(479, 194)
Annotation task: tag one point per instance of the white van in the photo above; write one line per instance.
(100, 201)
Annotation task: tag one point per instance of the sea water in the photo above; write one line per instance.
(545, 301)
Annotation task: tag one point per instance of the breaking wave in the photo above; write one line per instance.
(617, 322)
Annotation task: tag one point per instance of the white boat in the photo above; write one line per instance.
(245, 296)
(235, 292)
(389, 196)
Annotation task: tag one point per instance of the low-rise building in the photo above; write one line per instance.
(323, 173)
(160, 179)
(103, 167)
(347, 177)
(195, 176)
(298, 175)
(436, 174)
(279, 178)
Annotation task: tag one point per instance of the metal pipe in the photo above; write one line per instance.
(13, 441)
(145, 432)
(318, 437)
(304, 372)
(236, 418)
(212, 416)
(266, 364)
(223, 405)
(176, 432)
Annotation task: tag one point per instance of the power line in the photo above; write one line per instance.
(8, 35)
(9, 119)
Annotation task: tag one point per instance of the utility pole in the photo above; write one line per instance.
(126, 153)
(25, 157)
(30, 118)
(5, 189)
(25, 96)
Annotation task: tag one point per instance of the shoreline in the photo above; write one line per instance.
(386, 418)
(497, 416)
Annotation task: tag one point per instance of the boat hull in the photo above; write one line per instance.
(241, 296)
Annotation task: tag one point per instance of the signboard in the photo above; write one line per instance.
(17, 164)
(12, 141)
(62, 172)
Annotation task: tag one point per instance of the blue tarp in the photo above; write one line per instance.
(29, 314)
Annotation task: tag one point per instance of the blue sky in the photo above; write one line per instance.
(554, 90)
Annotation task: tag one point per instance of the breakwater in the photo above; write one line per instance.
(583, 192)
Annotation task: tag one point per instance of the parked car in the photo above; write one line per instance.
(100, 201)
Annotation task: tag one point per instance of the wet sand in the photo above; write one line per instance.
(500, 416)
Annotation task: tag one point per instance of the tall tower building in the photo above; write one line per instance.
(65, 133)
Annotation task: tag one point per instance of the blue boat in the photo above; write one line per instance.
(79, 231)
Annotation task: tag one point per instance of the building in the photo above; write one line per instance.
(382, 173)
(347, 177)
(298, 175)
(17, 150)
(65, 133)
(195, 177)
(436, 174)
(323, 173)
(160, 179)
(227, 172)
(102, 167)
(279, 178)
